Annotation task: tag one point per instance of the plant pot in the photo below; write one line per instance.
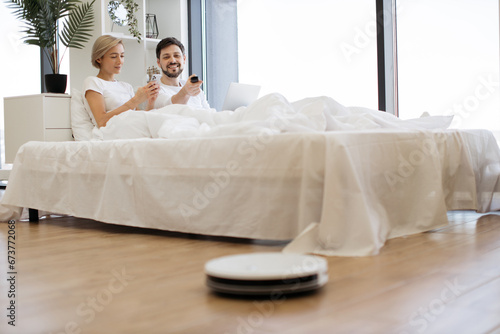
(56, 83)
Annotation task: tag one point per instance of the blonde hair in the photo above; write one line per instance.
(102, 45)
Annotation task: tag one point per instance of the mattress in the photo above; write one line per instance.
(338, 193)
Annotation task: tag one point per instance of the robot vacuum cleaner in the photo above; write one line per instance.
(266, 273)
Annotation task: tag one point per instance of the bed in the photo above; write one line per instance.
(341, 193)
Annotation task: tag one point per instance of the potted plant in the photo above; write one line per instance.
(43, 19)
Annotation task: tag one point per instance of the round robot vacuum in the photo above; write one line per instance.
(266, 273)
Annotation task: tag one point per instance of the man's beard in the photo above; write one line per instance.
(172, 75)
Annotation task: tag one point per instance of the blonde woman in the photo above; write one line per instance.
(106, 96)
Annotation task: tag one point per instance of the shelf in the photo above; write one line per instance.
(151, 43)
(120, 35)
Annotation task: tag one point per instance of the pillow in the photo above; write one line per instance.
(81, 119)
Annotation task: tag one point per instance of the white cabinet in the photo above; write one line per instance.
(41, 117)
(172, 20)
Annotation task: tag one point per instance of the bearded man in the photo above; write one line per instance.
(171, 59)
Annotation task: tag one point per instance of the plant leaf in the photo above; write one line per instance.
(79, 25)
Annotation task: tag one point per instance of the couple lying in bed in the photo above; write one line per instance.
(182, 111)
(108, 97)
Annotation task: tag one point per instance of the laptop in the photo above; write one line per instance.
(240, 95)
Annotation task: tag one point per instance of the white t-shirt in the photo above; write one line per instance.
(115, 93)
(166, 92)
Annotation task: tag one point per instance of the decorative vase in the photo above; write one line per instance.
(56, 83)
(151, 26)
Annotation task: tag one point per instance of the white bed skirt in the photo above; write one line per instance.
(361, 188)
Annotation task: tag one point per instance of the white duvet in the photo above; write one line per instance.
(271, 114)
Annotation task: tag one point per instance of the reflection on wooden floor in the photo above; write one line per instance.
(81, 276)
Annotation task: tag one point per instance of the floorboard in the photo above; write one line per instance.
(81, 276)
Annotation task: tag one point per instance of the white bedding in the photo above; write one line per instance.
(360, 187)
(271, 114)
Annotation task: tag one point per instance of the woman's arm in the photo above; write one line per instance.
(98, 106)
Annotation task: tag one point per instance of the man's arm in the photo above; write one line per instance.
(189, 89)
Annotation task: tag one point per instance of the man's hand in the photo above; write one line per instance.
(188, 90)
(192, 88)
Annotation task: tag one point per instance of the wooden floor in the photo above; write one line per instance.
(80, 276)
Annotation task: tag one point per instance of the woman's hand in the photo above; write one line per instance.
(147, 92)
(153, 89)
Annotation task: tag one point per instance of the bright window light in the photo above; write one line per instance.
(310, 48)
(20, 64)
(448, 59)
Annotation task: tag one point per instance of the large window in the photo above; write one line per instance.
(20, 65)
(448, 59)
(309, 48)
